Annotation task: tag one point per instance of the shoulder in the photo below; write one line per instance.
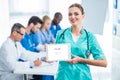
(90, 34)
(60, 31)
(58, 26)
(51, 26)
(24, 39)
(39, 32)
(64, 30)
(7, 44)
(26, 36)
(8, 41)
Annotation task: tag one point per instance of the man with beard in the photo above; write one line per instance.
(11, 52)
(34, 25)
(27, 42)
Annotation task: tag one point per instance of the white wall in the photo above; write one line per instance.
(4, 20)
(21, 11)
(95, 11)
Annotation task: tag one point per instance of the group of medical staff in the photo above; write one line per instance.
(38, 35)
(25, 42)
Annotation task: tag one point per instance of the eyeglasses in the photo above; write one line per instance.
(20, 33)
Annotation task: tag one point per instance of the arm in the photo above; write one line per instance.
(31, 56)
(96, 51)
(76, 59)
(8, 60)
(52, 39)
(28, 55)
(102, 62)
(37, 38)
(28, 44)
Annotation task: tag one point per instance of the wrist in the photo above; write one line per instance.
(81, 60)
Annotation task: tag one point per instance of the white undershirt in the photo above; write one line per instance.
(75, 38)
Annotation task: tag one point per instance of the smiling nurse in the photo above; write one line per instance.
(81, 41)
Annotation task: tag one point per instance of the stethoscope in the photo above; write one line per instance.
(88, 49)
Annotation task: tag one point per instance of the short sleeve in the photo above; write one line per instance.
(95, 48)
(59, 36)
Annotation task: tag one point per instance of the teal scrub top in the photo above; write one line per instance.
(78, 71)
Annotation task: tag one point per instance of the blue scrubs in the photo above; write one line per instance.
(78, 71)
(44, 38)
(53, 30)
(27, 42)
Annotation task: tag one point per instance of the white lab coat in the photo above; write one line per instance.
(9, 56)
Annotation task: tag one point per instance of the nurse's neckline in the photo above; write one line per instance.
(78, 34)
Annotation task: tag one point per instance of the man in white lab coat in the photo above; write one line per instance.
(12, 51)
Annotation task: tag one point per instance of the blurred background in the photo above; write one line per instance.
(102, 18)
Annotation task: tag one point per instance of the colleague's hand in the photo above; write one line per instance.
(40, 47)
(45, 60)
(37, 62)
(76, 59)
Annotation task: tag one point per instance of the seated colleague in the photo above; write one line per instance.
(55, 23)
(27, 42)
(44, 35)
(11, 51)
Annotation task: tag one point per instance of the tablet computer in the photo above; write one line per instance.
(58, 52)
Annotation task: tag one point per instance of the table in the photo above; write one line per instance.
(44, 69)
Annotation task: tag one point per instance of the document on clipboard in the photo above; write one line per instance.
(58, 52)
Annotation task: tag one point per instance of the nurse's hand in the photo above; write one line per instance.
(76, 59)
(37, 62)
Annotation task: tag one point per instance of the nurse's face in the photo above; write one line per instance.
(75, 16)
